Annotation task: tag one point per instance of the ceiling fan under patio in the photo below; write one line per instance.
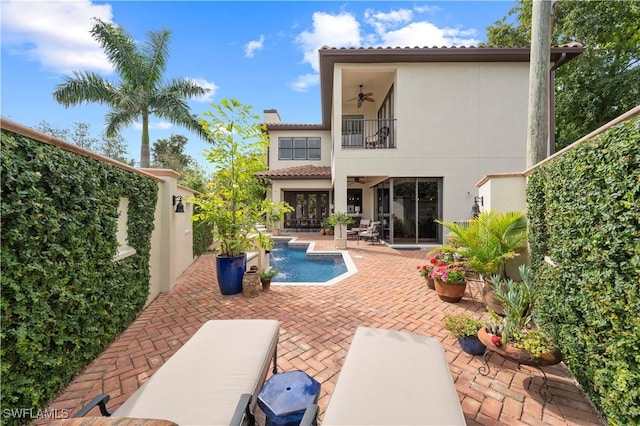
(363, 97)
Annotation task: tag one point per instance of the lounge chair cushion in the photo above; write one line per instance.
(394, 378)
(202, 382)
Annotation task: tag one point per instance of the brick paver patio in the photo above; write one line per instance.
(317, 325)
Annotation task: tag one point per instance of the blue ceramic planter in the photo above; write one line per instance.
(471, 345)
(229, 271)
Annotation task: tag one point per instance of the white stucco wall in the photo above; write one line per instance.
(325, 150)
(455, 121)
(172, 236)
(503, 192)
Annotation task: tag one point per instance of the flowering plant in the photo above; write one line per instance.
(447, 273)
(425, 270)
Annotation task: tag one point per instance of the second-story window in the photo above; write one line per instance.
(299, 148)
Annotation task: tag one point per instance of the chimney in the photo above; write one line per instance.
(271, 116)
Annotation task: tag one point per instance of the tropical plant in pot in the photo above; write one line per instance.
(266, 275)
(339, 220)
(449, 280)
(485, 243)
(465, 328)
(233, 203)
(515, 336)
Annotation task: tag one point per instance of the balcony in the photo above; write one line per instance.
(368, 133)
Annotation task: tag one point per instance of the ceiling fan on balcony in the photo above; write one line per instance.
(363, 97)
(357, 179)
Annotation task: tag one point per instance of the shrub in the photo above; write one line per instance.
(64, 298)
(584, 209)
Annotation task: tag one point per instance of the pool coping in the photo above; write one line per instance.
(346, 257)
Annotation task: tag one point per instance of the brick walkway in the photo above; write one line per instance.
(317, 325)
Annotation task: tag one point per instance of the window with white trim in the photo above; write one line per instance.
(299, 148)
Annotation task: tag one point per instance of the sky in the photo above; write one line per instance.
(262, 53)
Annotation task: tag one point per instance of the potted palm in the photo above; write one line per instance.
(339, 221)
(485, 244)
(233, 203)
(465, 328)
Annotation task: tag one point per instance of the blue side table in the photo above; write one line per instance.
(285, 397)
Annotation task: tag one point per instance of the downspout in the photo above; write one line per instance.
(552, 103)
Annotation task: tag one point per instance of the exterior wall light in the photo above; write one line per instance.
(177, 201)
(475, 208)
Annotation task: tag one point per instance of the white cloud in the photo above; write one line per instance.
(394, 28)
(382, 21)
(55, 33)
(207, 85)
(398, 28)
(154, 125)
(427, 9)
(253, 45)
(332, 30)
(303, 82)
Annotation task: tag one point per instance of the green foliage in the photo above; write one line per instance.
(517, 298)
(64, 298)
(461, 325)
(602, 82)
(268, 273)
(112, 147)
(274, 213)
(338, 219)
(169, 154)
(233, 203)
(202, 235)
(487, 241)
(141, 91)
(533, 341)
(585, 216)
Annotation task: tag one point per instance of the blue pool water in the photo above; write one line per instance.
(294, 265)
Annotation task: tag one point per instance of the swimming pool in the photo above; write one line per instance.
(297, 263)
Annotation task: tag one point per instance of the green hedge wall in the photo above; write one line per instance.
(64, 298)
(202, 235)
(584, 211)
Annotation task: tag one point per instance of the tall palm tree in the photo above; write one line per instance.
(141, 91)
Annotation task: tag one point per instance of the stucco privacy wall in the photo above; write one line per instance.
(457, 121)
(171, 240)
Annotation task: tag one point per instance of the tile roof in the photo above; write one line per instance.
(306, 172)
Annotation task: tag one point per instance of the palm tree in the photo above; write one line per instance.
(488, 241)
(141, 91)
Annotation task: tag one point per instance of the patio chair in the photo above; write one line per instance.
(372, 233)
(362, 226)
(379, 139)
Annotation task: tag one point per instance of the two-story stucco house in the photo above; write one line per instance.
(406, 134)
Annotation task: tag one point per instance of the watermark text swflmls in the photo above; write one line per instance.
(30, 413)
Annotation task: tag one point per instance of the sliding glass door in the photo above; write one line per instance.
(408, 208)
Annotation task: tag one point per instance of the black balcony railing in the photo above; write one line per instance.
(369, 134)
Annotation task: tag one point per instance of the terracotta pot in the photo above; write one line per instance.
(490, 299)
(430, 282)
(266, 284)
(518, 355)
(450, 292)
(251, 283)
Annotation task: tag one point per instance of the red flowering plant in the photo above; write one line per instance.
(425, 270)
(447, 272)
